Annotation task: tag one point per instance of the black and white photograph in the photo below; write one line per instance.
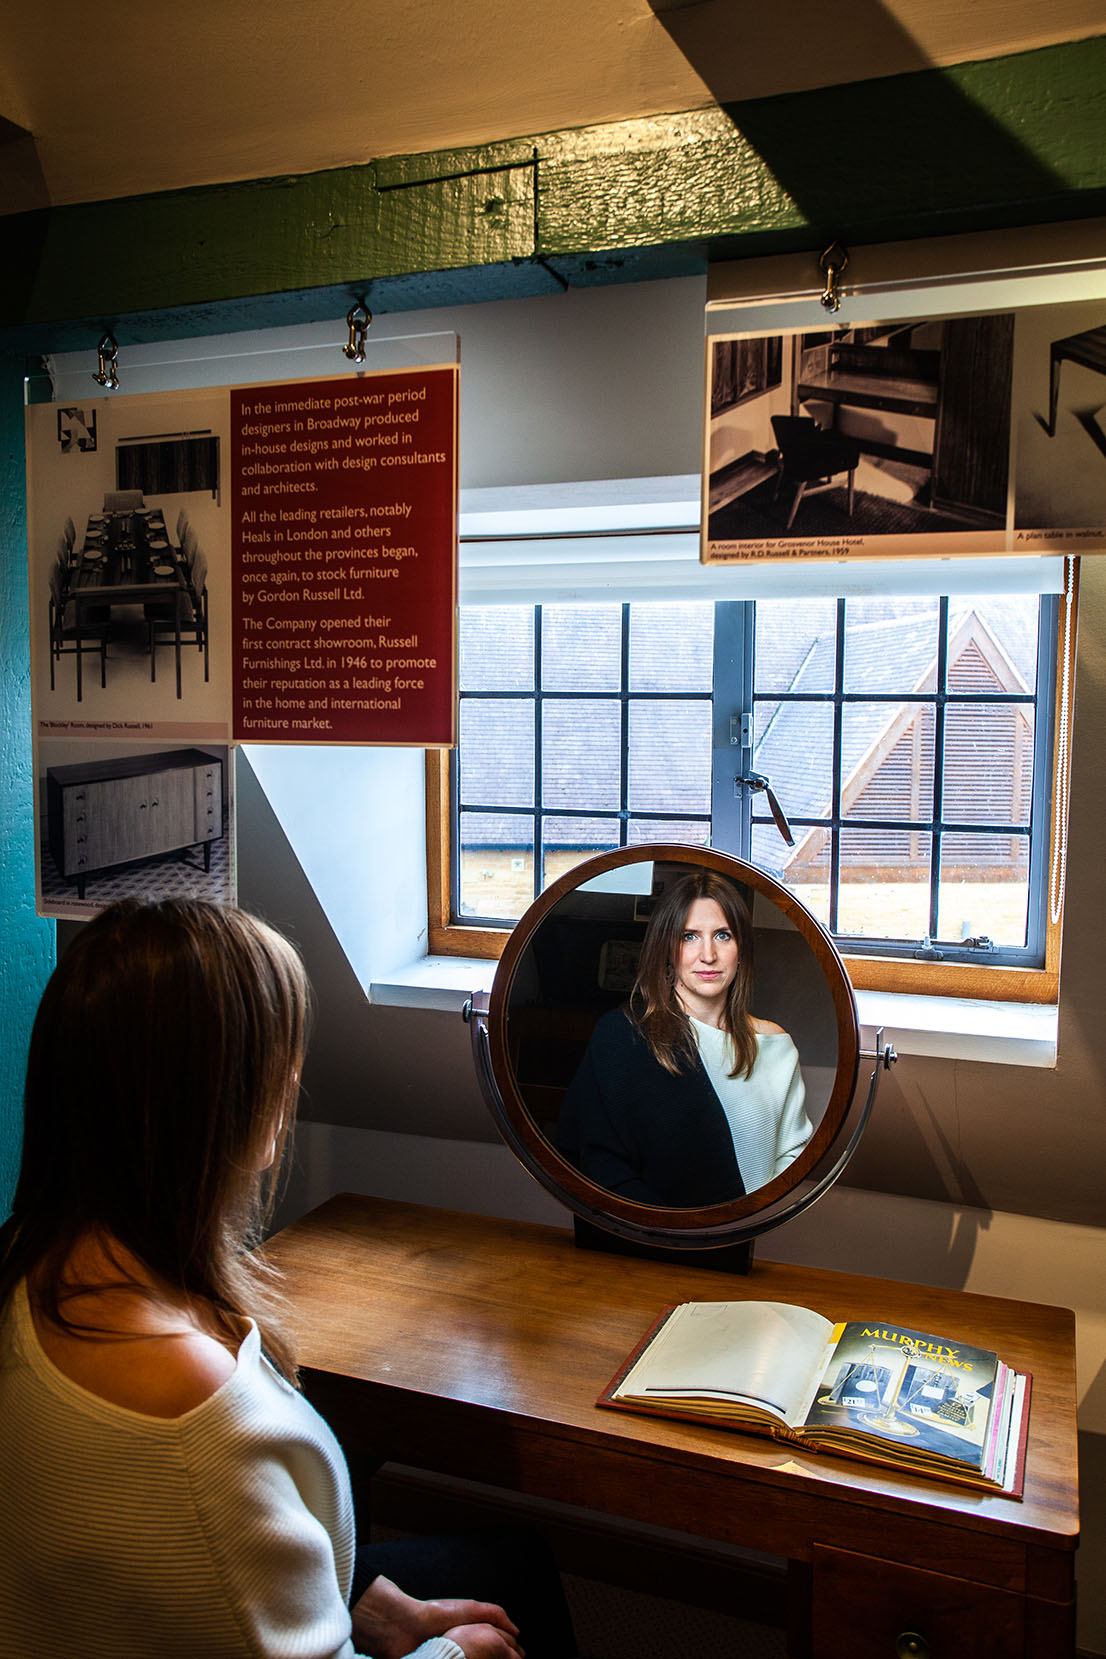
(132, 821)
(1060, 423)
(874, 439)
(129, 563)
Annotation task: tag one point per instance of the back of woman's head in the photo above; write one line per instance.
(162, 1074)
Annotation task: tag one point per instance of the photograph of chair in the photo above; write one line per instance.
(66, 639)
(884, 430)
(810, 458)
(183, 615)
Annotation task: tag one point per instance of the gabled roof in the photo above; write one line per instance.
(888, 656)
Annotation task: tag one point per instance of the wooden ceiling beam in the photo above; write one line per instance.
(1010, 141)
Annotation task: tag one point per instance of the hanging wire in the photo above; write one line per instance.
(108, 355)
(1059, 871)
(359, 318)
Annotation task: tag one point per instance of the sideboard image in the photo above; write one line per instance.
(108, 812)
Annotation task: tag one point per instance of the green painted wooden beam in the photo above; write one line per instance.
(1014, 140)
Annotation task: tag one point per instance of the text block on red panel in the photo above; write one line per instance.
(344, 559)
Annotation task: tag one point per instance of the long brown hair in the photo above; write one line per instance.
(164, 1063)
(654, 1006)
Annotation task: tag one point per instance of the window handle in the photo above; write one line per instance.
(759, 784)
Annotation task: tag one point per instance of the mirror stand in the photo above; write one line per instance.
(651, 1156)
(727, 1258)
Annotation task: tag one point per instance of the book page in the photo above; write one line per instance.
(767, 1354)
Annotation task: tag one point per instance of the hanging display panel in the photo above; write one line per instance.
(262, 564)
(344, 536)
(935, 436)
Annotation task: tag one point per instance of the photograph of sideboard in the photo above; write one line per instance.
(126, 808)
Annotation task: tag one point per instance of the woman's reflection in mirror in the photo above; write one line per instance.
(685, 1098)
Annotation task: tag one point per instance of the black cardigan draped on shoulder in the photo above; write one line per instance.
(642, 1133)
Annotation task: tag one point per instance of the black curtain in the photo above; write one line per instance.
(168, 466)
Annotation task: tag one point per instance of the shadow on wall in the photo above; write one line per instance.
(911, 1145)
(368, 1067)
(928, 1243)
(903, 112)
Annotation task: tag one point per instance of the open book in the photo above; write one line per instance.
(922, 1404)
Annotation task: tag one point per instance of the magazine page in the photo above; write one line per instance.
(764, 1354)
(926, 1395)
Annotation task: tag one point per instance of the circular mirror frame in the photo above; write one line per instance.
(721, 1224)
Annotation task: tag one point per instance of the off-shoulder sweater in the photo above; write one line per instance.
(225, 1533)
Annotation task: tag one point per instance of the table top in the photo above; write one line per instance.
(491, 1322)
(125, 562)
(1088, 348)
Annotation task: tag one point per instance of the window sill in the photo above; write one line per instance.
(945, 1028)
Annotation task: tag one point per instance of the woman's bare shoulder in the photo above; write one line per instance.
(767, 1028)
(132, 1341)
(158, 1373)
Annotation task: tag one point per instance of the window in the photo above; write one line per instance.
(909, 741)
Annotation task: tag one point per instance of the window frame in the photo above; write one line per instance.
(870, 971)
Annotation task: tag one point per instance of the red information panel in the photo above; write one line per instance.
(344, 559)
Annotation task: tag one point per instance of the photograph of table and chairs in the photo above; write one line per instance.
(125, 577)
(129, 565)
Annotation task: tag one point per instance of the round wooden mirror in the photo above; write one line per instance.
(626, 1000)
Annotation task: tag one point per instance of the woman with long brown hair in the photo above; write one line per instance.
(164, 1488)
(685, 1098)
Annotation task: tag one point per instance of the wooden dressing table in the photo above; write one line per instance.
(477, 1347)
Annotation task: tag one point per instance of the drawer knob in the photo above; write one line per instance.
(911, 1646)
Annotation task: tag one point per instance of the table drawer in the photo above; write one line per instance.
(866, 1608)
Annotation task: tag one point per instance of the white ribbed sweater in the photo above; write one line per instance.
(223, 1534)
(765, 1111)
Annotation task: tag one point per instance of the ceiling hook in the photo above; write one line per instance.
(108, 356)
(832, 261)
(359, 319)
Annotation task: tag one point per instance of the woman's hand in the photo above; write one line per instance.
(484, 1641)
(390, 1624)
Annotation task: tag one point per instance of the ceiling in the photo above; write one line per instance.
(125, 97)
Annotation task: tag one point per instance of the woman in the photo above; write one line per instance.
(164, 1489)
(683, 1098)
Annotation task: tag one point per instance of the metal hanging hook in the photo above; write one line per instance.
(106, 370)
(832, 261)
(359, 319)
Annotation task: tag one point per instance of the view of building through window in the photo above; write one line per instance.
(900, 737)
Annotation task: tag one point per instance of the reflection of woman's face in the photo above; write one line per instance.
(707, 962)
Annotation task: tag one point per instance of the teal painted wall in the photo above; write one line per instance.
(26, 942)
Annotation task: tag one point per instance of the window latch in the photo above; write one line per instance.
(979, 942)
(758, 784)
